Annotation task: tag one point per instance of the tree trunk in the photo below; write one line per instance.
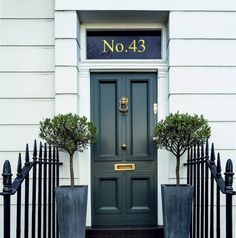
(72, 177)
(177, 169)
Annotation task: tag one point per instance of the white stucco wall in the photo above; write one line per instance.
(27, 85)
(26, 72)
(202, 72)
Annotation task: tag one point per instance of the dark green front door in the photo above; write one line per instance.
(124, 173)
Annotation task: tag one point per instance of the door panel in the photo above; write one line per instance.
(139, 192)
(108, 129)
(108, 185)
(105, 115)
(139, 116)
(123, 197)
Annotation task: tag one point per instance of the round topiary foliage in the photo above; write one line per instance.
(179, 132)
(69, 132)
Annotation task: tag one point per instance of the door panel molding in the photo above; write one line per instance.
(109, 194)
(140, 194)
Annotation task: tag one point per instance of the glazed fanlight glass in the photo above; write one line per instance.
(122, 44)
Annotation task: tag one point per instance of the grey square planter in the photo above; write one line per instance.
(177, 210)
(71, 208)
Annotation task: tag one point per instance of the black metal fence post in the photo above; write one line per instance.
(198, 190)
(218, 174)
(7, 183)
(53, 193)
(26, 224)
(57, 185)
(34, 190)
(229, 193)
(212, 162)
(40, 190)
(50, 192)
(194, 192)
(18, 212)
(206, 190)
(202, 189)
(45, 218)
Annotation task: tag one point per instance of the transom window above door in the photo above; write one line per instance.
(124, 44)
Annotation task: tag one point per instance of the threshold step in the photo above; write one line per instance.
(125, 232)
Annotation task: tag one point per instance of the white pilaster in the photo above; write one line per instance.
(162, 155)
(67, 51)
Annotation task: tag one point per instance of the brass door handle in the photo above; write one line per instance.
(124, 147)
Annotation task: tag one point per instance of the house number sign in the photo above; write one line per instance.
(124, 45)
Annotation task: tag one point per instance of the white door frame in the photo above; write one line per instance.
(72, 80)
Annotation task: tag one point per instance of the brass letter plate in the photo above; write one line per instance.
(124, 167)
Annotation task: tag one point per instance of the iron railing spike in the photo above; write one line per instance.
(207, 149)
(198, 151)
(229, 166)
(45, 152)
(7, 176)
(6, 168)
(229, 175)
(50, 152)
(27, 154)
(218, 167)
(19, 166)
(202, 150)
(212, 154)
(40, 150)
(57, 154)
(35, 150)
(54, 153)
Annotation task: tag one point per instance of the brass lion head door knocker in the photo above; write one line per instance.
(123, 104)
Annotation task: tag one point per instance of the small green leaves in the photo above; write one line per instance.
(69, 132)
(179, 132)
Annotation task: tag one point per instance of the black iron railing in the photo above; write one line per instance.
(37, 179)
(210, 188)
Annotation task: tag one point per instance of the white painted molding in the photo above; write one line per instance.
(124, 65)
(66, 80)
(66, 25)
(67, 51)
(66, 103)
(154, 5)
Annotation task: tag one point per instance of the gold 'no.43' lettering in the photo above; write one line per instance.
(135, 46)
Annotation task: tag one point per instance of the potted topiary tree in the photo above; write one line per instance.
(178, 133)
(70, 133)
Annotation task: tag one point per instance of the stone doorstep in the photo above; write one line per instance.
(125, 232)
